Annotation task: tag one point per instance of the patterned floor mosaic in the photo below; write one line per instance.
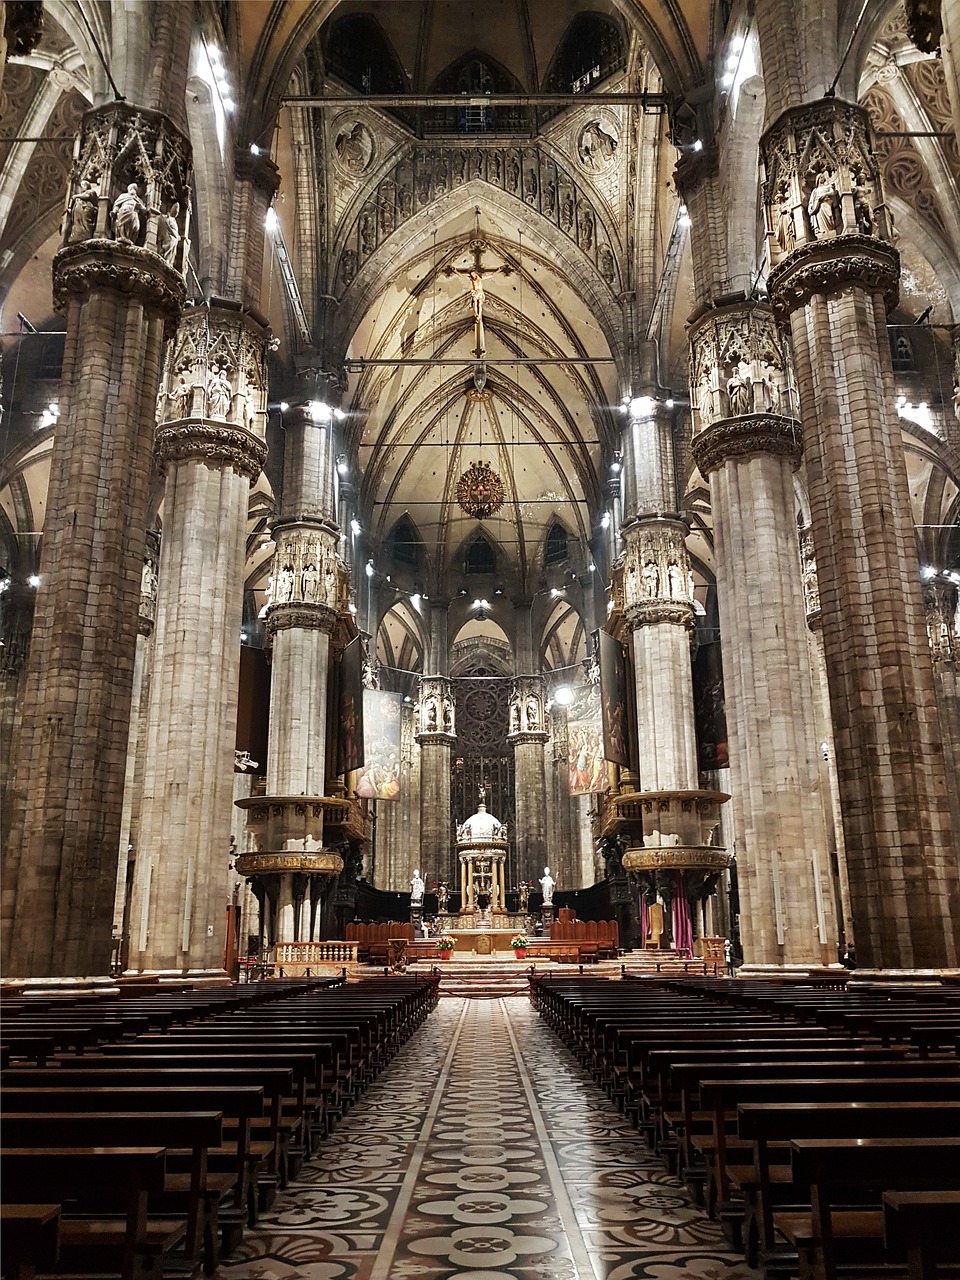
(485, 1152)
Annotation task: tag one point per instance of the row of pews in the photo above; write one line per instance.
(143, 1135)
(822, 1127)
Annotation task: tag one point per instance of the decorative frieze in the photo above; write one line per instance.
(657, 582)
(528, 716)
(746, 437)
(739, 366)
(435, 711)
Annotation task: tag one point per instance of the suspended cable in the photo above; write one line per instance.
(118, 96)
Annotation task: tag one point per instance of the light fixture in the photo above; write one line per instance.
(255, 150)
(284, 406)
(342, 464)
(642, 406)
(270, 219)
(556, 592)
(591, 567)
(339, 415)
(927, 572)
(33, 580)
(480, 491)
(605, 520)
(563, 695)
(356, 527)
(683, 217)
(698, 145)
(370, 569)
(352, 607)
(415, 599)
(480, 604)
(321, 413)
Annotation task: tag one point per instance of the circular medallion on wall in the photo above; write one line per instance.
(353, 145)
(598, 144)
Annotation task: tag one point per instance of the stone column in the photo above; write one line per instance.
(941, 605)
(748, 445)
(118, 281)
(528, 734)
(436, 734)
(210, 444)
(833, 277)
(305, 598)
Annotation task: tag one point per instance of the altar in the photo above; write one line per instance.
(483, 942)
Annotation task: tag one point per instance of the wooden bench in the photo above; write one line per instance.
(833, 1167)
(109, 1189)
(922, 1225)
(29, 1239)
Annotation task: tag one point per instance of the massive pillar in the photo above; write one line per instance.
(210, 444)
(436, 734)
(676, 864)
(305, 599)
(748, 445)
(118, 279)
(833, 277)
(527, 735)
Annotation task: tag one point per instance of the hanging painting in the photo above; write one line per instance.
(379, 779)
(613, 699)
(586, 763)
(350, 737)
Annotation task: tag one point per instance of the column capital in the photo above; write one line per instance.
(257, 169)
(308, 582)
(214, 445)
(435, 711)
(657, 583)
(216, 369)
(831, 266)
(125, 269)
(528, 714)
(737, 438)
(694, 168)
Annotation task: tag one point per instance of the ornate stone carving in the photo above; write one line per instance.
(745, 438)
(821, 179)
(924, 25)
(130, 183)
(307, 586)
(904, 170)
(528, 717)
(216, 369)
(808, 571)
(657, 583)
(424, 173)
(354, 146)
(322, 862)
(706, 858)
(739, 365)
(213, 445)
(102, 264)
(830, 266)
(940, 610)
(436, 710)
(149, 581)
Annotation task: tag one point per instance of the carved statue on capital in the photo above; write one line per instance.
(808, 570)
(657, 582)
(739, 365)
(216, 370)
(436, 710)
(941, 608)
(308, 575)
(827, 223)
(130, 183)
(527, 710)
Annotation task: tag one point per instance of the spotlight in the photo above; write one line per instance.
(356, 527)
(563, 696)
(370, 569)
(642, 406)
(270, 220)
(33, 580)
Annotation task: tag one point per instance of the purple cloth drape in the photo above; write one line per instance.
(682, 924)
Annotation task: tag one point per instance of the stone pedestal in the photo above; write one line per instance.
(833, 278)
(118, 282)
(546, 916)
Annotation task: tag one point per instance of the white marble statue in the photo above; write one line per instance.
(127, 209)
(546, 884)
(417, 889)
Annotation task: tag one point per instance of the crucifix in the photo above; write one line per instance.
(476, 274)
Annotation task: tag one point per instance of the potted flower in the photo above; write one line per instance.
(445, 944)
(519, 944)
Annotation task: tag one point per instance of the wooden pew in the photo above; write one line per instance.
(29, 1239)
(832, 1168)
(114, 1185)
(922, 1225)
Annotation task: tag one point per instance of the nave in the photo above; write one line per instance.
(486, 1152)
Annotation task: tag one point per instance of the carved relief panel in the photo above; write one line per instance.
(657, 582)
(436, 709)
(216, 369)
(306, 571)
(527, 709)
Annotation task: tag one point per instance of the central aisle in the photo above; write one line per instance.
(485, 1152)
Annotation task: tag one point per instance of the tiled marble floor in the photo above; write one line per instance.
(484, 1152)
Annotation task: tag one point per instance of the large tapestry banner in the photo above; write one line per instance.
(379, 779)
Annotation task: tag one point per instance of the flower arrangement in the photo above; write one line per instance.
(446, 942)
(519, 941)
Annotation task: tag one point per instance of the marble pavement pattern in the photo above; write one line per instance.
(484, 1152)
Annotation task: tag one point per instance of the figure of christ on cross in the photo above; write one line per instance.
(476, 275)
